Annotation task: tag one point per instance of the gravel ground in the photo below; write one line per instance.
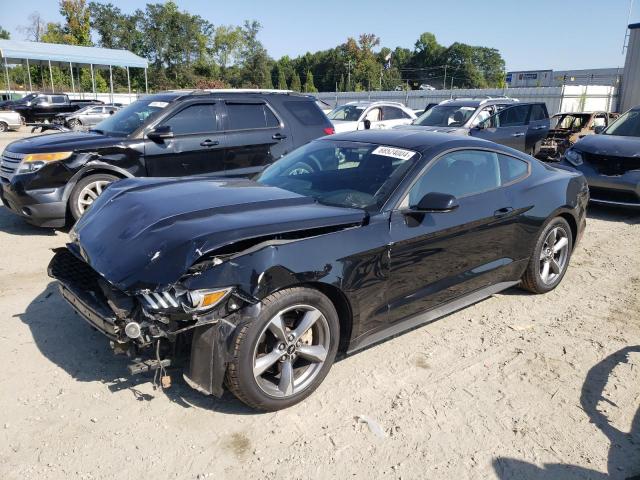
(516, 387)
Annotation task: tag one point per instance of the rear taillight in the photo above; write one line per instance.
(329, 131)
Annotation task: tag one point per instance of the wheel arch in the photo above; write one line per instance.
(93, 169)
(573, 224)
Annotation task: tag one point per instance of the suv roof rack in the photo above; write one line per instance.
(199, 91)
(483, 99)
(376, 102)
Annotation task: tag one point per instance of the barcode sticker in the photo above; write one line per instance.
(394, 152)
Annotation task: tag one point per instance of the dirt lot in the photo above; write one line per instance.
(516, 387)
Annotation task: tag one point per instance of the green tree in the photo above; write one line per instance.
(282, 80)
(309, 86)
(296, 85)
(4, 35)
(255, 62)
(77, 29)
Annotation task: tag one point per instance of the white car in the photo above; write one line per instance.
(375, 115)
(9, 120)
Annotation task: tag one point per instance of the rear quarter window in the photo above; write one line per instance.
(244, 116)
(511, 169)
(306, 113)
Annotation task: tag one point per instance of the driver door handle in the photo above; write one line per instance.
(503, 212)
(519, 134)
(209, 143)
(278, 136)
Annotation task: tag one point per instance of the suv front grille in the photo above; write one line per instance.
(9, 163)
(612, 166)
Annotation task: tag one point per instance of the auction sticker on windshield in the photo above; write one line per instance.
(158, 104)
(394, 152)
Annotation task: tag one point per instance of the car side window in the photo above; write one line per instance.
(600, 120)
(513, 116)
(512, 169)
(373, 115)
(483, 115)
(461, 173)
(245, 116)
(199, 118)
(538, 112)
(57, 99)
(393, 113)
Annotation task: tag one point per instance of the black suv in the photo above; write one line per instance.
(174, 134)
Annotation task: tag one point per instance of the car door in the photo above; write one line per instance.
(256, 136)
(537, 128)
(92, 116)
(437, 257)
(374, 115)
(392, 116)
(197, 145)
(507, 127)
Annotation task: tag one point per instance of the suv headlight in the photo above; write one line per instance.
(574, 157)
(35, 161)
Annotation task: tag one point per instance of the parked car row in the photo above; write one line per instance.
(265, 243)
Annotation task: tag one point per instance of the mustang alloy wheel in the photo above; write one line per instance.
(86, 192)
(281, 357)
(550, 257)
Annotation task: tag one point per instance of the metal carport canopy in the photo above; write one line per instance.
(39, 53)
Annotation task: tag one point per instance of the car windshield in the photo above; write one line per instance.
(127, 120)
(445, 116)
(344, 174)
(570, 122)
(27, 98)
(628, 125)
(349, 113)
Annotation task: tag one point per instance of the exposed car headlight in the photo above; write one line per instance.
(202, 300)
(574, 157)
(35, 161)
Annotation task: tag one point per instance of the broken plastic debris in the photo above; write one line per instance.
(374, 426)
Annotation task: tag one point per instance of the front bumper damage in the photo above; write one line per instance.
(151, 340)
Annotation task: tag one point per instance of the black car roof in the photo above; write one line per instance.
(403, 138)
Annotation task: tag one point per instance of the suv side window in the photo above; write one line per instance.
(57, 99)
(461, 173)
(393, 113)
(513, 116)
(199, 118)
(512, 169)
(245, 116)
(538, 112)
(307, 113)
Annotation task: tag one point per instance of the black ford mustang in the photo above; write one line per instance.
(344, 242)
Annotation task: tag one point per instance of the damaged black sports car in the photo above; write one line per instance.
(344, 242)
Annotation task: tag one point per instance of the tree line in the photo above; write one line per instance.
(188, 51)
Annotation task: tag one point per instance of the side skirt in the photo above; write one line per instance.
(428, 316)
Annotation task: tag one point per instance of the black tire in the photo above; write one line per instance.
(74, 207)
(240, 378)
(73, 124)
(532, 278)
(4, 127)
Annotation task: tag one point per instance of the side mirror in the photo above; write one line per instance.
(160, 134)
(367, 124)
(599, 129)
(481, 125)
(435, 202)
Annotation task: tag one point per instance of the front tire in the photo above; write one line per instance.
(550, 258)
(280, 358)
(4, 127)
(86, 191)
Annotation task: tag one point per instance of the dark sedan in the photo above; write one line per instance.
(344, 242)
(611, 161)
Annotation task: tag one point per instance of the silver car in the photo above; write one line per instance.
(86, 117)
(9, 120)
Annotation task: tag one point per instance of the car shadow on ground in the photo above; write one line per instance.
(613, 214)
(14, 225)
(68, 341)
(624, 452)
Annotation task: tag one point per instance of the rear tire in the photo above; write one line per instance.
(4, 127)
(280, 358)
(550, 258)
(86, 191)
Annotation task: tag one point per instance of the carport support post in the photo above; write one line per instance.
(93, 83)
(146, 82)
(29, 74)
(73, 83)
(53, 88)
(110, 84)
(129, 84)
(6, 73)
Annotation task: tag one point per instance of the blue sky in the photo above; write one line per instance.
(541, 34)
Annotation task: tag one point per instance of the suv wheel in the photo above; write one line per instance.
(3, 127)
(550, 257)
(86, 191)
(280, 358)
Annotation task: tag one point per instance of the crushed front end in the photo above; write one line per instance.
(155, 329)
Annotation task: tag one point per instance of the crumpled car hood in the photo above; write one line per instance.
(146, 233)
(610, 145)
